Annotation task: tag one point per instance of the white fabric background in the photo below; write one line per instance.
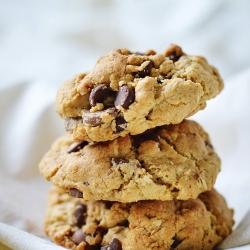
(43, 43)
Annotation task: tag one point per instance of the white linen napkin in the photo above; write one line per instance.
(240, 236)
(13, 238)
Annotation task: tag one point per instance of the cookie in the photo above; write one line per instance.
(196, 224)
(167, 162)
(129, 93)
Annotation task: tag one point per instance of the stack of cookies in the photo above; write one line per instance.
(132, 172)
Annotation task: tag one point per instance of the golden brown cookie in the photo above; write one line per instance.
(198, 224)
(128, 93)
(167, 162)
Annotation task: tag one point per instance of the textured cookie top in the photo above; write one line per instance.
(172, 161)
(197, 224)
(131, 92)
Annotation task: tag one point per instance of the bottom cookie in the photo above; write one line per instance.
(197, 224)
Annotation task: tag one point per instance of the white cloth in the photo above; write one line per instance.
(43, 43)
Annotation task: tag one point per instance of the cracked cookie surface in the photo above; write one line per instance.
(128, 93)
(167, 162)
(197, 224)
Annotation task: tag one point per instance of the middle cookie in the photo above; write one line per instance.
(171, 161)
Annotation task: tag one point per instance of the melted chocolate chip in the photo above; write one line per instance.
(118, 161)
(94, 118)
(80, 214)
(75, 192)
(125, 96)
(174, 57)
(99, 94)
(70, 122)
(147, 137)
(79, 236)
(76, 146)
(146, 71)
(115, 244)
(121, 124)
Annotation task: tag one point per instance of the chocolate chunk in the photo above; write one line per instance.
(75, 192)
(79, 236)
(146, 71)
(175, 243)
(94, 118)
(125, 96)
(118, 161)
(115, 244)
(70, 122)
(147, 137)
(80, 214)
(99, 94)
(121, 124)
(76, 146)
(174, 57)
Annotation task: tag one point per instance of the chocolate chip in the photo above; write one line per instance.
(80, 214)
(70, 122)
(174, 57)
(115, 244)
(94, 118)
(101, 230)
(75, 192)
(92, 247)
(79, 236)
(209, 144)
(125, 96)
(175, 243)
(76, 146)
(147, 137)
(149, 113)
(146, 71)
(124, 223)
(121, 124)
(99, 94)
(161, 79)
(118, 161)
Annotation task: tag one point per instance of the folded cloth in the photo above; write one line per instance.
(13, 238)
(240, 236)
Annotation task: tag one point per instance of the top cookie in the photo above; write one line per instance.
(128, 93)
